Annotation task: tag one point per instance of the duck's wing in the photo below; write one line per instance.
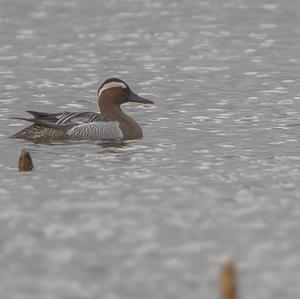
(48, 124)
(66, 118)
(80, 118)
(98, 130)
(63, 119)
(49, 117)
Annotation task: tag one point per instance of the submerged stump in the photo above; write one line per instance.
(228, 282)
(25, 161)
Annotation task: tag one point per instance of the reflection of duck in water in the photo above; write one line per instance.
(110, 123)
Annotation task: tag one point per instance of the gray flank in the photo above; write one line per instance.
(96, 131)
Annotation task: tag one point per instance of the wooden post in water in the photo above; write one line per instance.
(228, 281)
(25, 162)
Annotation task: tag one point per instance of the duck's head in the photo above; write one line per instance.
(115, 91)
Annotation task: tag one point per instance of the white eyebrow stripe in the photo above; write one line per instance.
(111, 85)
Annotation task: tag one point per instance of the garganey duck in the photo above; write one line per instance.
(110, 123)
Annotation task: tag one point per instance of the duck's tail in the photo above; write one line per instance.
(45, 119)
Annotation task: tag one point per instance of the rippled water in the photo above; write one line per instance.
(215, 177)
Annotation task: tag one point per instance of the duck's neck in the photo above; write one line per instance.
(113, 112)
(110, 110)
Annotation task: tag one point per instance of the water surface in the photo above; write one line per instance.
(215, 177)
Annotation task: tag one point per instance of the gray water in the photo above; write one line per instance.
(216, 176)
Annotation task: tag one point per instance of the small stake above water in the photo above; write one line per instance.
(228, 281)
(25, 162)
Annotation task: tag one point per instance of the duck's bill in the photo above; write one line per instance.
(135, 98)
